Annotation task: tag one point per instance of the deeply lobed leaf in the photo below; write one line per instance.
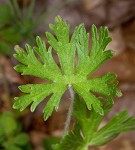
(39, 62)
(121, 122)
(86, 130)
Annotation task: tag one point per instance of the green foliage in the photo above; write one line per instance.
(5, 48)
(5, 18)
(48, 142)
(121, 122)
(12, 28)
(38, 61)
(11, 136)
(8, 124)
(72, 141)
(18, 24)
(5, 14)
(86, 131)
(96, 93)
(21, 139)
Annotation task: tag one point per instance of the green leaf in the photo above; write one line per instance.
(7, 34)
(86, 130)
(48, 142)
(121, 122)
(5, 14)
(86, 124)
(98, 54)
(5, 48)
(9, 146)
(39, 62)
(30, 10)
(88, 120)
(21, 139)
(72, 141)
(8, 124)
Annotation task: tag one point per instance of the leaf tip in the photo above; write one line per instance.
(32, 108)
(58, 19)
(118, 93)
(14, 67)
(17, 48)
(38, 38)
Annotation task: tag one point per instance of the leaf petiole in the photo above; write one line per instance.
(70, 111)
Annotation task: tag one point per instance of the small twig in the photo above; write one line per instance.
(68, 120)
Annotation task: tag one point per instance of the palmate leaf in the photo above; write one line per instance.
(86, 131)
(85, 126)
(38, 61)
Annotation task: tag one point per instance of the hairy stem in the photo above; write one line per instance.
(68, 120)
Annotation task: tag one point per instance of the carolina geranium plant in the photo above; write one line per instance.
(87, 107)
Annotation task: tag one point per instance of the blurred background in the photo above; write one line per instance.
(20, 22)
